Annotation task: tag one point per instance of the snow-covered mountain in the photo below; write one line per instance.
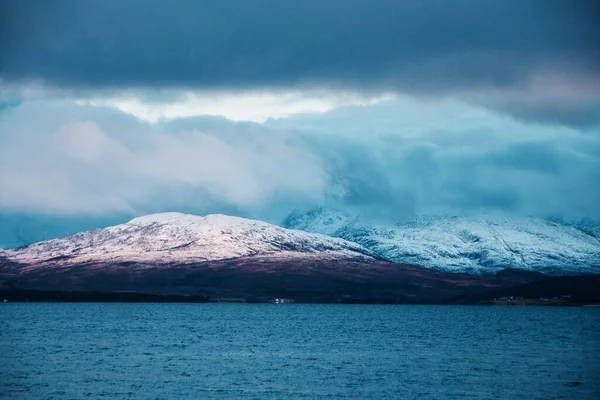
(221, 256)
(482, 244)
(182, 238)
(476, 245)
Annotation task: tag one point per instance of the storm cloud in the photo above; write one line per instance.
(490, 52)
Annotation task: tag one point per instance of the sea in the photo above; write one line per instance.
(297, 351)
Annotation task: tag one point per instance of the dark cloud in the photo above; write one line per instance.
(579, 113)
(423, 45)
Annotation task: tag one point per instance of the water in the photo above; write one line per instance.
(228, 351)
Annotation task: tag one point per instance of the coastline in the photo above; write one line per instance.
(42, 296)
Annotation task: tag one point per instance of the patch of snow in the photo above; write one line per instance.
(483, 244)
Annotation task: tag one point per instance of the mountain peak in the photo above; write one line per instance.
(165, 217)
(181, 218)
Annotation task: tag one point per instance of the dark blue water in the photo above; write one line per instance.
(205, 351)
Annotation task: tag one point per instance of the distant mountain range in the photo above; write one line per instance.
(178, 254)
(475, 245)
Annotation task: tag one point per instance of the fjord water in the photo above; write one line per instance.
(261, 351)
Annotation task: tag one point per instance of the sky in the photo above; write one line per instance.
(110, 110)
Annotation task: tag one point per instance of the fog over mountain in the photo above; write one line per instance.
(393, 161)
(351, 106)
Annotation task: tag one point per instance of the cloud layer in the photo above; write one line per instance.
(82, 159)
(394, 159)
(266, 41)
(492, 52)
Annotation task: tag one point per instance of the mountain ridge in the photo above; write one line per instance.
(222, 256)
(177, 237)
(480, 244)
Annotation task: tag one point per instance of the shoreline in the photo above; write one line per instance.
(39, 296)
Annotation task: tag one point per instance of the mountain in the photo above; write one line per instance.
(222, 256)
(477, 245)
(183, 238)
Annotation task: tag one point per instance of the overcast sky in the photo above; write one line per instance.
(255, 108)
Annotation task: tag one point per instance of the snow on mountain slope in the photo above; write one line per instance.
(320, 220)
(182, 238)
(477, 245)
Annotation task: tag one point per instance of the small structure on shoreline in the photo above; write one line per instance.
(280, 300)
